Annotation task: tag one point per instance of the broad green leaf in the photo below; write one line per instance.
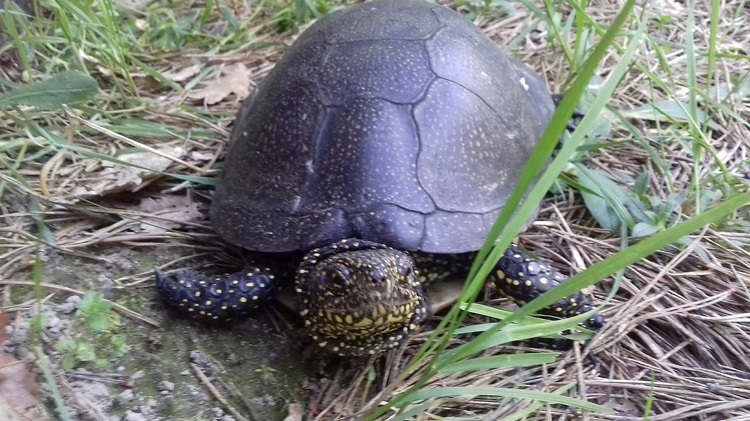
(643, 229)
(607, 205)
(667, 110)
(51, 94)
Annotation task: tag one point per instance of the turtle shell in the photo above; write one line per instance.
(393, 121)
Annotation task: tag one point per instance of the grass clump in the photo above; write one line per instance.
(94, 336)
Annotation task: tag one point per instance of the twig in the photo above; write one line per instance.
(215, 392)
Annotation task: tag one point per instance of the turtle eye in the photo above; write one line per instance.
(342, 274)
(405, 268)
(323, 282)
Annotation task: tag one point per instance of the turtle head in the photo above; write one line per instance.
(359, 297)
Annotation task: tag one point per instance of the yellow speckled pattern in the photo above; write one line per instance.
(362, 298)
(358, 297)
(393, 121)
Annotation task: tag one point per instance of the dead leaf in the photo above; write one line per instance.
(153, 161)
(18, 390)
(172, 212)
(202, 156)
(115, 178)
(108, 181)
(183, 74)
(233, 79)
(295, 412)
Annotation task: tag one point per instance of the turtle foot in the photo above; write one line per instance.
(219, 298)
(522, 278)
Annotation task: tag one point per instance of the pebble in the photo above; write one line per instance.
(70, 304)
(165, 387)
(124, 398)
(134, 416)
(96, 392)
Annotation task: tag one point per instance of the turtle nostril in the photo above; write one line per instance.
(377, 275)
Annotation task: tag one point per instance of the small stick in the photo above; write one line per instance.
(215, 392)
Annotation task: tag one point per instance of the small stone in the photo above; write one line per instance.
(66, 308)
(134, 416)
(53, 322)
(165, 386)
(96, 392)
(124, 398)
(197, 357)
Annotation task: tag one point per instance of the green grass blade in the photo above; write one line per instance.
(500, 361)
(444, 392)
(568, 149)
(633, 254)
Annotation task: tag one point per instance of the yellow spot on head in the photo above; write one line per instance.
(365, 322)
(243, 300)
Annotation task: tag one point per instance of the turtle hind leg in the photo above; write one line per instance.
(217, 298)
(522, 278)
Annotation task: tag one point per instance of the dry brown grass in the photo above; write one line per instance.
(678, 328)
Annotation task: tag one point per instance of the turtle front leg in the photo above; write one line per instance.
(522, 278)
(219, 298)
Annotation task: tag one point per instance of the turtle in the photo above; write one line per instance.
(374, 158)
